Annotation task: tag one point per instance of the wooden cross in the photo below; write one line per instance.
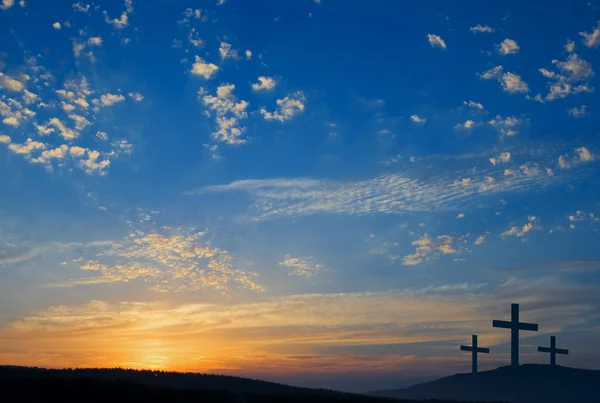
(553, 350)
(514, 325)
(474, 349)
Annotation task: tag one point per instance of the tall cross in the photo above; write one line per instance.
(474, 349)
(553, 350)
(514, 325)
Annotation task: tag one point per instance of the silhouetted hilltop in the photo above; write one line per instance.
(529, 383)
(29, 385)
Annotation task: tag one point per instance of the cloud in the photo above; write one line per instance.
(201, 68)
(95, 41)
(591, 40)
(129, 6)
(92, 166)
(10, 83)
(480, 240)
(510, 82)
(570, 46)
(29, 97)
(573, 78)
(82, 8)
(469, 124)
(584, 154)
(302, 267)
(227, 52)
(386, 194)
(507, 47)
(428, 249)
(493, 73)
(136, 96)
(102, 135)
(111, 99)
(482, 29)
(56, 25)
(265, 83)
(580, 112)
(531, 225)
(6, 4)
(506, 126)
(248, 55)
(118, 23)
(501, 158)
(4, 139)
(436, 41)
(417, 119)
(65, 132)
(27, 148)
(474, 105)
(287, 107)
(229, 113)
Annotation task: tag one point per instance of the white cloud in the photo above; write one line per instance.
(91, 165)
(227, 52)
(302, 267)
(493, 73)
(129, 6)
(43, 130)
(507, 47)
(428, 249)
(102, 135)
(573, 78)
(469, 124)
(118, 23)
(591, 40)
(221, 2)
(80, 122)
(6, 4)
(65, 132)
(584, 154)
(265, 83)
(11, 121)
(82, 8)
(570, 46)
(287, 107)
(576, 113)
(531, 225)
(436, 41)
(506, 126)
(77, 151)
(10, 83)
(136, 96)
(27, 148)
(417, 119)
(501, 158)
(482, 29)
(512, 83)
(480, 240)
(56, 25)
(29, 97)
(474, 105)
(111, 99)
(4, 139)
(224, 103)
(461, 215)
(95, 41)
(201, 68)
(248, 55)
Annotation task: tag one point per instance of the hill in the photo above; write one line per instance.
(29, 385)
(529, 383)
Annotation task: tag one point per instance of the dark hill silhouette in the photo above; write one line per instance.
(529, 383)
(29, 385)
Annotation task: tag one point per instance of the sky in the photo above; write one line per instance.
(322, 193)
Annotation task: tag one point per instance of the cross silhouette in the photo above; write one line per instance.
(553, 350)
(474, 349)
(514, 325)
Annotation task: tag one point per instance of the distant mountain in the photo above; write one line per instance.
(33, 385)
(527, 384)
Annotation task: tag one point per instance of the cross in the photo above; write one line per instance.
(553, 350)
(514, 325)
(474, 350)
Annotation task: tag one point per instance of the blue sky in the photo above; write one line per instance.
(305, 186)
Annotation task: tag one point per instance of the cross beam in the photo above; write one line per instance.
(553, 350)
(474, 349)
(514, 325)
